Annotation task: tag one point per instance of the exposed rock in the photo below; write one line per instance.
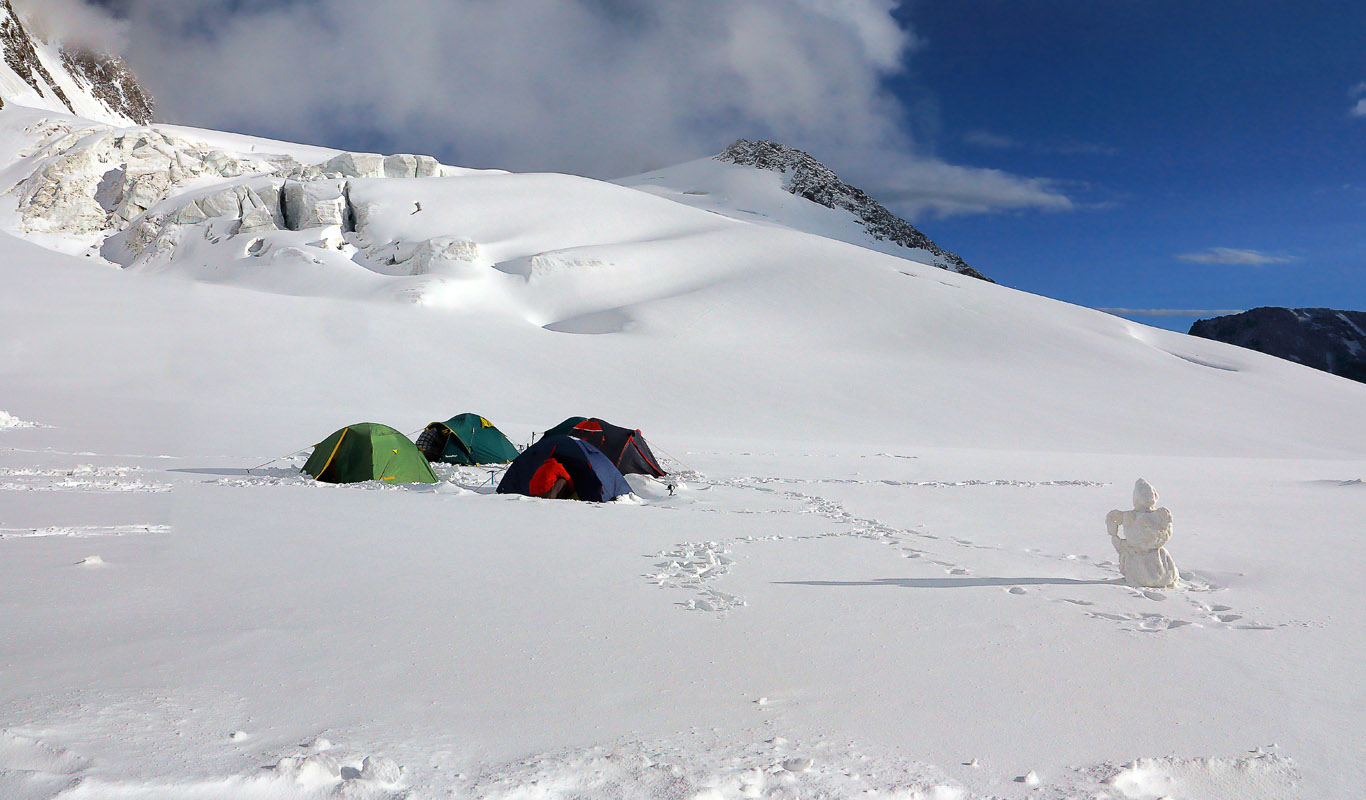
(22, 57)
(76, 80)
(108, 79)
(806, 177)
(1322, 338)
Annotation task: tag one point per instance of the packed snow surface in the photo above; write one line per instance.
(882, 569)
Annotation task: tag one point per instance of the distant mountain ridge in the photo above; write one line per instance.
(808, 178)
(74, 80)
(1323, 338)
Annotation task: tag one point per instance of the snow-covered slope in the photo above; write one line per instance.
(768, 182)
(955, 358)
(68, 79)
(884, 572)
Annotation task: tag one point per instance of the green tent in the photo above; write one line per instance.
(466, 439)
(368, 451)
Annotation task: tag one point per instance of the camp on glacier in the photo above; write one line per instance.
(877, 567)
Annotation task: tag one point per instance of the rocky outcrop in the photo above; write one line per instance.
(1322, 338)
(108, 79)
(806, 177)
(21, 56)
(72, 79)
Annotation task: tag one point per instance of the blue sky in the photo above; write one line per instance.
(1122, 154)
(1177, 127)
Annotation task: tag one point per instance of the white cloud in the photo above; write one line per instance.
(1229, 255)
(597, 87)
(73, 22)
(1172, 312)
(926, 187)
(1358, 110)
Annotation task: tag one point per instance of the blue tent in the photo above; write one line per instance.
(594, 475)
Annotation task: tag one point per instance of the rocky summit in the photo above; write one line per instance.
(1322, 338)
(808, 178)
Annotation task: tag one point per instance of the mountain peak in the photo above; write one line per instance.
(808, 178)
(70, 79)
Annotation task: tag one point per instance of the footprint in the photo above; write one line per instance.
(1078, 602)
(1018, 590)
(1151, 595)
(1228, 617)
(959, 571)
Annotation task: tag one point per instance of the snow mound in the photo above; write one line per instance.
(9, 422)
(1260, 777)
(770, 769)
(34, 769)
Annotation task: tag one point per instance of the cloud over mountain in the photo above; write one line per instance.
(597, 87)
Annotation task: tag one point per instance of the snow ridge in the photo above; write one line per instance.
(808, 178)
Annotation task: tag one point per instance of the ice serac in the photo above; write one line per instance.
(806, 177)
(65, 78)
(1323, 338)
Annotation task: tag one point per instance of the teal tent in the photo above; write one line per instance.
(466, 439)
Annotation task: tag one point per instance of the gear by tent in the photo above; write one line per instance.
(368, 451)
(465, 439)
(593, 476)
(625, 448)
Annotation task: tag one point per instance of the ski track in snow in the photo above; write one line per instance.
(83, 531)
(696, 565)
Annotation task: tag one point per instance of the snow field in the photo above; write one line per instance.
(884, 569)
(416, 632)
